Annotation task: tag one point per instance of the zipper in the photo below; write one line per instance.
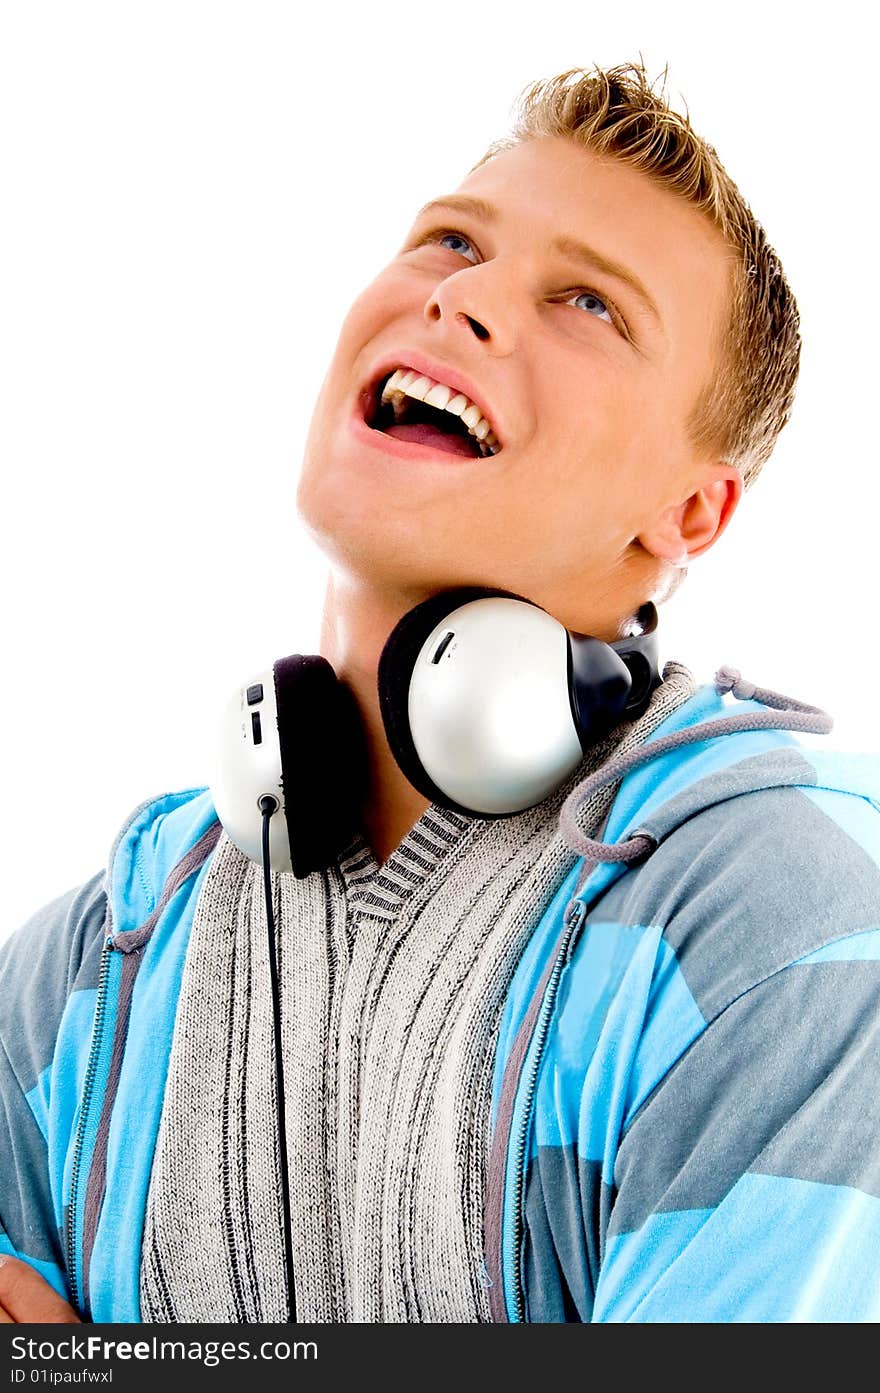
(574, 917)
(128, 945)
(79, 1142)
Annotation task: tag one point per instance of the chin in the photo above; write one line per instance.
(369, 525)
(382, 552)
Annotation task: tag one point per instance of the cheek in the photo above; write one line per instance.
(584, 411)
(376, 306)
(362, 315)
(602, 443)
(354, 346)
(615, 416)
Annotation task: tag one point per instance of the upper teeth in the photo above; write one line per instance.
(404, 382)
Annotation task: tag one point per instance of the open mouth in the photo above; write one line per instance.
(408, 406)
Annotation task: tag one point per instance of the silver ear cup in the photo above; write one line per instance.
(489, 706)
(246, 767)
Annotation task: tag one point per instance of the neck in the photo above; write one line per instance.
(355, 625)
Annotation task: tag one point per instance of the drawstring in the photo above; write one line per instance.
(729, 679)
(794, 715)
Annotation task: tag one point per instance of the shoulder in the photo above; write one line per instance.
(60, 935)
(56, 953)
(761, 874)
(154, 839)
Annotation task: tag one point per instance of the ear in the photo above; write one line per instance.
(685, 530)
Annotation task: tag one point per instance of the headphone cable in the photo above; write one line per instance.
(269, 805)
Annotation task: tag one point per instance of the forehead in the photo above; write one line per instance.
(551, 187)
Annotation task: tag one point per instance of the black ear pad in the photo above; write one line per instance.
(323, 760)
(612, 682)
(641, 654)
(396, 664)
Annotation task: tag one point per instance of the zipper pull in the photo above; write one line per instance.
(575, 914)
(575, 911)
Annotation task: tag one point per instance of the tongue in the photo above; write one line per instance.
(420, 433)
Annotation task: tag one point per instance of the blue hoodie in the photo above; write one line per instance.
(685, 1114)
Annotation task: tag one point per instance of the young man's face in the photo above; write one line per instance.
(585, 382)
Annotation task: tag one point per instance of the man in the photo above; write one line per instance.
(521, 1084)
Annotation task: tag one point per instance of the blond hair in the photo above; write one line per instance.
(740, 410)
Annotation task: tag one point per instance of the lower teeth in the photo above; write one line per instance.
(396, 399)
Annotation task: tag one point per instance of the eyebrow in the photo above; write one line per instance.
(568, 247)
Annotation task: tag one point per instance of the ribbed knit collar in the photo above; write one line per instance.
(381, 891)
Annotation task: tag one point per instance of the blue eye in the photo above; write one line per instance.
(455, 237)
(594, 305)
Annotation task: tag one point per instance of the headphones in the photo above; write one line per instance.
(488, 703)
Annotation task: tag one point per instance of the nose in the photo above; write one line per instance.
(481, 310)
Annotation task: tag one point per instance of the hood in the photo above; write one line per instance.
(708, 750)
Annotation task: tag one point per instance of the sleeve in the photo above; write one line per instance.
(747, 1181)
(48, 966)
(748, 1186)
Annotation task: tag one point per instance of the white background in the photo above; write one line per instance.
(192, 195)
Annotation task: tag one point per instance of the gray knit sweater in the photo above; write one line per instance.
(392, 983)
